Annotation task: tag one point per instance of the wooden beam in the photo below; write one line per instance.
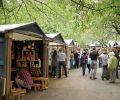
(8, 49)
(45, 58)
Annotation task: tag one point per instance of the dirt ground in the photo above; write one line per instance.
(78, 87)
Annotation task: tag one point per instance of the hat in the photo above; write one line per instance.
(111, 53)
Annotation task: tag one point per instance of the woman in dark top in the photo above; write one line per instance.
(54, 63)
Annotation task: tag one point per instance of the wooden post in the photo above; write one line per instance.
(45, 58)
(8, 49)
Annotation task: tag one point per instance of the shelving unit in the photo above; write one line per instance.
(30, 60)
(21, 63)
(28, 54)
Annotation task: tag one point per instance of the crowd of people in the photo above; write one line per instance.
(109, 62)
(87, 59)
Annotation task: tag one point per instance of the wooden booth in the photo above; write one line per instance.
(77, 46)
(93, 45)
(69, 48)
(22, 45)
(57, 43)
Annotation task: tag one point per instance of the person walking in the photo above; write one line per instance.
(104, 59)
(112, 65)
(54, 63)
(71, 60)
(76, 58)
(117, 56)
(83, 62)
(93, 55)
(62, 62)
(88, 63)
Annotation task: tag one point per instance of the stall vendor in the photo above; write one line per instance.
(23, 79)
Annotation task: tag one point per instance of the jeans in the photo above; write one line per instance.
(88, 66)
(104, 68)
(54, 71)
(20, 83)
(93, 68)
(62, 63)
(83, 68)
(71, 63)
(76, 63)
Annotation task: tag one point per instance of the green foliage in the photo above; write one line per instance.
(81, 20)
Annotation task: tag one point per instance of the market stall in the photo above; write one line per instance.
(69, 48)
(77, 46)
(22, 45)
(57, 43)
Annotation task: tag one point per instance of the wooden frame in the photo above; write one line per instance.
(21, 63)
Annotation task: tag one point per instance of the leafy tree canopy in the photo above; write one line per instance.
(82, 20)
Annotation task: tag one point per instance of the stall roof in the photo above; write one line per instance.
(113, 43)
(57, 37)
(69, 41)
(77, 44)
(23, 28)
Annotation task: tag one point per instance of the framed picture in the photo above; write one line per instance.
(35, 63)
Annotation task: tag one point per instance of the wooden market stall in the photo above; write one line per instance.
(77, 46)
(69, 48)
(57, 43)
(93, 45)
(22, 45)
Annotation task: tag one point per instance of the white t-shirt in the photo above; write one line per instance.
(89, 60)
(62, 56)
(104, 59)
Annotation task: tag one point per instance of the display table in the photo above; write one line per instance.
(43, 80)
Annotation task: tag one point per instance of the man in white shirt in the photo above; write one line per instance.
(62, 62)
(104, 59)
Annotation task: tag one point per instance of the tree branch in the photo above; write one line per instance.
(38, 8)
(48, 7)
(116, 28)
(19, 9)
(85, 5)
(4, 11)
(28, 10)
